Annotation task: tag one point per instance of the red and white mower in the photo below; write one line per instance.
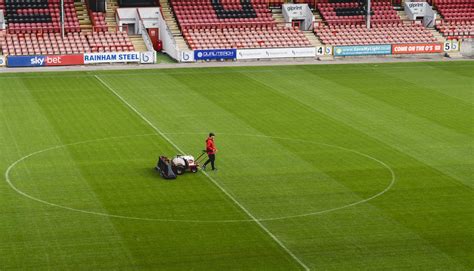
(185, 163)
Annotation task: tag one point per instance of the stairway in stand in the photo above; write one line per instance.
(173, 25)
(404, 17)
(278, 17)
(112, 6)
(436, 34)
(84, 21)
(138, 43)
(312, 38)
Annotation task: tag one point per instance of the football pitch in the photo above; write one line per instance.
(334, 167)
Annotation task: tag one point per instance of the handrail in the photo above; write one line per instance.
(169, 42)
(139, 15)
(147, 39)
(117, 15)
(2, 20)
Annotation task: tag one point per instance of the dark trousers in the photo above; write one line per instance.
(212, 158)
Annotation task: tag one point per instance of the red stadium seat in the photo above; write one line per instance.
(457, 18)
(205, 26)
(387, 27)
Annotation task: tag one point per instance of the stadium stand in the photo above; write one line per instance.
(379, 34)
(275, 3)
(73, 43)
(43, 43)
(26, 16)
(353, 12)
(344, 24)
(233, 24)
(279, 3)
(109, 42)
(457, 18)
(202, 14)
(266, 37)
(98, 21)
(34, 28)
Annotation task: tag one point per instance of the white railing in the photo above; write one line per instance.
(146, 38)
(2, 20)
(169, 43)
(144, 33)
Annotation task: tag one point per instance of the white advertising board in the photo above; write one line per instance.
(2, 61)
(323, 50)
(276, 53)
(416, 9)
(187, 56)
(295, 11)
(115, 57)
(147, 57)
(328, 50)
(298, 12)
(451, 45)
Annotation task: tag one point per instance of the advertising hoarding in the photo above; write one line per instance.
(276, 53)
(418, 48)
(113, 57)
(215, 54)
(361, 50)
(45, 60)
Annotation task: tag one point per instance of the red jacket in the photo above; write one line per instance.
(210, 147)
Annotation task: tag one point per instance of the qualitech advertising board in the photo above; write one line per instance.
(215, 54)
(2, 61)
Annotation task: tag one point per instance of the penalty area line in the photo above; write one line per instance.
(229, 195)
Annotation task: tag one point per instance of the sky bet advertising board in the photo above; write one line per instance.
(42, 61)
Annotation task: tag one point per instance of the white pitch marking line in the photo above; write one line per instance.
(392, 173)
(10, 168)
(280, 243)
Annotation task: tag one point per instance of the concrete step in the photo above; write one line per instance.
(172, 24)
(138, 43)
(278, 17)
(437, 35)
(317, 16)
(85, 23)
(326, 58)
(112, 6)
(455, 55)
(312, 38)
(404, 17)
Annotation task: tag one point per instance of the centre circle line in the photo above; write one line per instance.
(10, 183)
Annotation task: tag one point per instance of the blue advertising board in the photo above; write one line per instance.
(26, 61)
(215, 54)
(362, 50)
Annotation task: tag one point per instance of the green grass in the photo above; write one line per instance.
(294, 142)
(164, 58)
